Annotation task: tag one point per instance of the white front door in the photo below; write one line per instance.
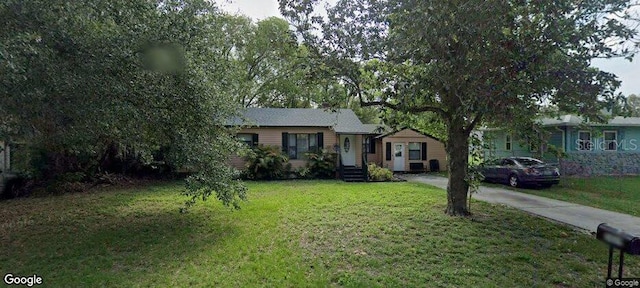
(348, 150)
(398, 157)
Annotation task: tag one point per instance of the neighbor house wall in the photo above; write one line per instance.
(497, 145)
(272, 136)
(625, 160)
(435, 149)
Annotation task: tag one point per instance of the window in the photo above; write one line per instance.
(507, 142)
(584, 141)
(371, 148)
(298, 144)
(610, 140)
(529, 162)
(508, 162)
(248, 139)
(414, 151)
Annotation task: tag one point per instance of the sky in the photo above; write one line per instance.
(627, 72)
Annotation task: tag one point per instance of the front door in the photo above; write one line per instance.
(398, 157)
(348, 150)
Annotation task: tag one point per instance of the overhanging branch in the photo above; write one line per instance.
(397, 107)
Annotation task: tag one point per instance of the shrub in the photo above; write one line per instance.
(303, 173)
(379, 174)
(322, 164)
(267, 163)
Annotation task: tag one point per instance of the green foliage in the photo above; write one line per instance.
(267, 163)
(377, 173)
(303, 173)
(322, 164)
(464, 65)
(76, 76)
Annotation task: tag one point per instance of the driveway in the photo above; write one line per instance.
(585, 217)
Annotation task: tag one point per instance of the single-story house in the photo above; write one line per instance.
(578, 146)
(299, 130)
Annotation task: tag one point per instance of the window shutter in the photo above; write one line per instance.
(388, 152)
(285, 142)
(255, 139)
(320, 141)
(372, 145)
(424, 151)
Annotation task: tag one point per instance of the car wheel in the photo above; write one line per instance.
(513, 180)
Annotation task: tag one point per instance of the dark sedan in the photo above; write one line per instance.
(519, 171)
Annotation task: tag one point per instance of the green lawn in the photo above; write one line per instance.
(621, 194)
(292, 234)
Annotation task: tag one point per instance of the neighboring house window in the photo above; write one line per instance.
(610, 140)
(507, 142)
(414, 151)
(298, 144)
(584, 141)
(250, 139)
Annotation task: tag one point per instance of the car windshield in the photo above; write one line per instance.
(529, 161)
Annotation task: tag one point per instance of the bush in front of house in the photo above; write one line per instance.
(322, 164)
(267, 163)
(377, 173)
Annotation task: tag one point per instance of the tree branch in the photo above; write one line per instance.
(473, 123)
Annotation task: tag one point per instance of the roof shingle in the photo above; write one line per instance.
(341, 121)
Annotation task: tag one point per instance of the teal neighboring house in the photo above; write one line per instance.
(577, 146)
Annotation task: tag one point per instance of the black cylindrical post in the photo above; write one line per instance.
(610, 262)
(621, 264)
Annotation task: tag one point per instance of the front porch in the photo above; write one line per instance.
(351, 151)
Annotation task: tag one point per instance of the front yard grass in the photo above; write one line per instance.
(292, 234)
(614, 193)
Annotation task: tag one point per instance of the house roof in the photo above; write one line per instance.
(572, 120)
(405, 128)
(341, 121)
(377, 128)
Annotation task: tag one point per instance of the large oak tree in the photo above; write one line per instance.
(78, 76)
(469, 61)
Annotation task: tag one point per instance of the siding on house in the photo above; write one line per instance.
(435, 149)
(497, 141)
(272, 136)
(378, 156)
(628, 139)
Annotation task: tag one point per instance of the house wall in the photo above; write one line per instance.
(496, 141)
(496, 145)
(376, 157)
(623, 161)
(272, 136)
(628, 139)
(435, 149)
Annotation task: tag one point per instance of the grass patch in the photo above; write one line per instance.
(620, 194)
(293, 233)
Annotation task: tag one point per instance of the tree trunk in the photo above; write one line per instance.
(458, 157)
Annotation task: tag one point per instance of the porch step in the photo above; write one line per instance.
(353, 174)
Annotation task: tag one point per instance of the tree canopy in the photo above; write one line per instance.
(79, 76)
(470, 61)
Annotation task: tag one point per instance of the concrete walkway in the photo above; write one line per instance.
(584, 217)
